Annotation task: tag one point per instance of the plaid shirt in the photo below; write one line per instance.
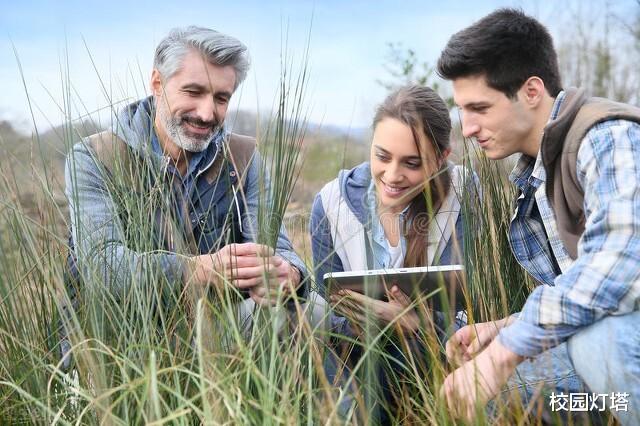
(605, 277)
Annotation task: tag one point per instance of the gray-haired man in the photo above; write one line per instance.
(168, 193)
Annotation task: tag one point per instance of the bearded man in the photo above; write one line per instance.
(168, 198)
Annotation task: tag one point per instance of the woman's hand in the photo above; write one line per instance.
(355, 307)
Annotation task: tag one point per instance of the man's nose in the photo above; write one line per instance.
(207, 109)
(469, 126)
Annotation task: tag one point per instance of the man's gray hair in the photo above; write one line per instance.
(217, 48)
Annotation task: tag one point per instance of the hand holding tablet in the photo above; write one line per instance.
(436, 280)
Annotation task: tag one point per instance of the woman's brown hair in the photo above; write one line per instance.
(424, 111)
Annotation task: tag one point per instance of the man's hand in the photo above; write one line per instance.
(354, 306)
(479, 380)
(241, 264)
(287, 280)
(471, 339)
(248, 266)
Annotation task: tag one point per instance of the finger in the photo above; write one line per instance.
(400, 296)
(233, 262)
(273, 297)
(452, 347)
(248, 283)
(260, 301)
(250, 249)
(271, 292)
(260, 296)
(478, 341)
(351, 304)
(282, 271)
(456, 350)
(475, 347)
(286, 287)
(465, 335)
(365, 301)
(346, 308)
(254, 272)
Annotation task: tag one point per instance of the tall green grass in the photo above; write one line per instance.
(153, 353)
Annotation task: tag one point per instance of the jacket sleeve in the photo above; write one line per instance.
(325, 259)
(98, 235)
(250, 223)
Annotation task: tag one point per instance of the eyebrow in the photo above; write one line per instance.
(472, 105)
(202, 88)
(410, 157)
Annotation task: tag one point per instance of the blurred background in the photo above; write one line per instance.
(66, 66)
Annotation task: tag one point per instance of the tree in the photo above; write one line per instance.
(404, 67)
(599, 50)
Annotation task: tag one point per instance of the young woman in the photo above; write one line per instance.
(400, 209)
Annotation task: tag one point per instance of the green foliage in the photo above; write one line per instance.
(153, 354)
(405, 67)
(326, 156)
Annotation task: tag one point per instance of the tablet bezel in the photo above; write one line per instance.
(413, 281)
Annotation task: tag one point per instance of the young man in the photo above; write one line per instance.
(168, 195)
(576, 228)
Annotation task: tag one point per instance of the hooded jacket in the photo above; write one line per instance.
(117, 237)
(340, 226)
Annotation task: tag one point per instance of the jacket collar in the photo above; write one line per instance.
(556, 130)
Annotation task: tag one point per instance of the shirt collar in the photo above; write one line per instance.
(528, 169)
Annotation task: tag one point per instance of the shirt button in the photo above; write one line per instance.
(232, 173)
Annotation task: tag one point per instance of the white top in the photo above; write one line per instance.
(397, 257)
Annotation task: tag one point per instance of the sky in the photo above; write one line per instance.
(62, 59)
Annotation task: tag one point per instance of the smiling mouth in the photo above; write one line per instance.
(197, 128)
(197, 124)
(393, 189)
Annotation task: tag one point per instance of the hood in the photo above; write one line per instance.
(354, 184)
(134, 125)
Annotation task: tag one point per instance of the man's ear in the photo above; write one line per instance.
(533, 91)
(156, 84)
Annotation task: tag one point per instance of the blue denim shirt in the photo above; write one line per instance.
(99, 234)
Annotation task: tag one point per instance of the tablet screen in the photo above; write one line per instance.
(442, 283)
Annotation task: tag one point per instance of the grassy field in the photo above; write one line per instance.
(157, 353)
(148, 356)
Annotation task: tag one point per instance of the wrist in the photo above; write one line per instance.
(504, 356)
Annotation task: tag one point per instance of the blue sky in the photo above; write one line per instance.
(347, 48)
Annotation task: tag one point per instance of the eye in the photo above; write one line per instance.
(413, 164)
(222, 100)
(481, 109)
(382, 157)
(192, 92)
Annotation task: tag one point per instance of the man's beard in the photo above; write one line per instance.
(175, 127)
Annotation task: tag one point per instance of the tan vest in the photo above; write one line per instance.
(560, 145)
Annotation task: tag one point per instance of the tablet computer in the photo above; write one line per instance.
(444, 283)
